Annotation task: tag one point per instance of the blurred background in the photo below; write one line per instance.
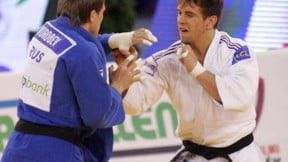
(262, 23)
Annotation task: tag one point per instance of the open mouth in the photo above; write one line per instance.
(183, 30)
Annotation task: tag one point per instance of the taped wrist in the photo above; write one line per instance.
(197, 70)
(121, 40)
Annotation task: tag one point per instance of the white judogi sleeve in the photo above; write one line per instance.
(141, 95)
(238, 87)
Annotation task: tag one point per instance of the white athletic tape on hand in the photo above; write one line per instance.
(130, 57)
(138, 61)
(135, 53)
(146, 42)
(197, 70)
(180, 53)
(151, 37)
(184, 54)
(141, 68)
(121, 40)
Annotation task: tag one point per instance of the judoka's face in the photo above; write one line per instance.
(191, 24)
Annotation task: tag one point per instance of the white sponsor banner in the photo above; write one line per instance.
(151, 136)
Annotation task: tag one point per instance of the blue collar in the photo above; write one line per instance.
(65, 21)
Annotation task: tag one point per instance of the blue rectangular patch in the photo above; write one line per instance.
(54, 40)
(241, 54)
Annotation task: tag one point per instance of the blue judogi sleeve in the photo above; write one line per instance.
(98, 145)
(100, 104)
(104, 41)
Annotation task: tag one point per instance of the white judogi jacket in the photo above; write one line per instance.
(202, 119)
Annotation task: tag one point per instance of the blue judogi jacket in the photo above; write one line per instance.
(65, 84)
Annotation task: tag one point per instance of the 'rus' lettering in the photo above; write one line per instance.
(36, 54)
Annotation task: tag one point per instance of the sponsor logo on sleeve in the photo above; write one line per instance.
(241, 54)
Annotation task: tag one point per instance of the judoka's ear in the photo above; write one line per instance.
(93, 15)
(211, 22)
